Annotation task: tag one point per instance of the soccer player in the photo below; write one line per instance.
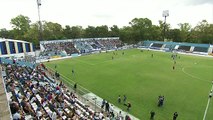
(152, 113)
(175, 116)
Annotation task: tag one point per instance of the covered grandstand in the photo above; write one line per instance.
(16, 48)
(180, 47)
(69, 47)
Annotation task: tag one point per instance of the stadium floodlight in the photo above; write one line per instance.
(39, 17)
(165, 14)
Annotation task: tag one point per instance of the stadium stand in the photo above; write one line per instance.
(184, 48)
(203, 49)
(79, 46)
(57, 47)
(200, 49)
(34, 94)
(156, 46)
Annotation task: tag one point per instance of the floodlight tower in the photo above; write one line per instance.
(39, 20)
(165, 14)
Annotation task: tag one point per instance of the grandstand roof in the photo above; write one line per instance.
(3, 39)
(180, 44)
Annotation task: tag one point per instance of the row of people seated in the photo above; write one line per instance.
(56, 48)
(77, 46)
(34, 96)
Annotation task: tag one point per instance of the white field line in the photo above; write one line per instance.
(207, 106)
(134, 118)
(69, 80)
(183, 69)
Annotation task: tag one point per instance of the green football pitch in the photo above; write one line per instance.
(142, 78)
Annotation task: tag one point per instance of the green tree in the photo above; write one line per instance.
(4, 33)
(141, 29)
(126, 35)
(90, 32)
(67, 32)
(76, 32)
(52, 31)
(33, 34)
(114, 31)
(102, 31)
(163, 26)
(185, 30)
(174, 35)
(155, 33)
(203, 32)
(20, 25)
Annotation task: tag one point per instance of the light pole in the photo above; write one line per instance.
(165, 14)
(39, 17)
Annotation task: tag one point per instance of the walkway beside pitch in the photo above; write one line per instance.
(4, 109)
(98, 101)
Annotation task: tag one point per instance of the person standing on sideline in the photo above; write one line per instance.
(103, 103)
(152, 115)
(124, 100)
(210, 94)
(75, 87)
(128, 106)
(175, 116)
(73, 72)
(119, 99)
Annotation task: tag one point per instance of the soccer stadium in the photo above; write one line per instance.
(105, 70)
(101, 78)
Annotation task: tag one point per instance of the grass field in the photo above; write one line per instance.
(143, 78)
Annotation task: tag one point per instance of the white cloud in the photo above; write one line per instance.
(107, 12)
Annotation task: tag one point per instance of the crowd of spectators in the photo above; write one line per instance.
(79, 46)
(55, 48)
(33, 94)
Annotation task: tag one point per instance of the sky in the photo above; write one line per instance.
(107, 12)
